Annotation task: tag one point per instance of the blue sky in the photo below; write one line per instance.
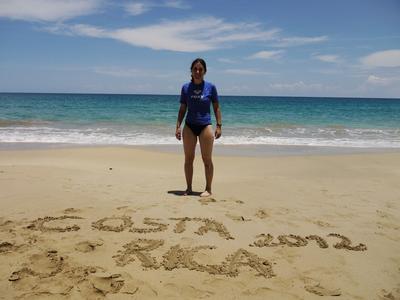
(342, 48)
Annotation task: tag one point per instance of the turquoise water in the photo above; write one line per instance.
(95, 119)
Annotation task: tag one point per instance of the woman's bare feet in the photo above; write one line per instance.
(205, 194)
(188, 192)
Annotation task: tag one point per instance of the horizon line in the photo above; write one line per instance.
(177, 95)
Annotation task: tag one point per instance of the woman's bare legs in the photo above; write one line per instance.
(206, 139)
(189, 147)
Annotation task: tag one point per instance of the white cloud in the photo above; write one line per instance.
(117, 72)
(327, 71)
(246, 72)
(267, 55)
(175, 36)
(194, 35)
(246, 32)
(226, 60)
(126, 72)
(88, 30)
(176, 4)
(137, 8)
(296, 86)
(60, 10)
(328, 58)
(382, 81)
(47, 10)
(388, 58)
(298, 41)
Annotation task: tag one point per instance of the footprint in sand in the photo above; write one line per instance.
(126, 209)
(232, 200)
(392, 295)
(322, 291)
(122, 207)
(262, 214)
(32, 287)
(42, 265)
(140, 288)
(8, 227)
(6, 247)
(322, 224)
(4, 223)
(237, 218)
(109, 283)
(206, 201)
(52, 276)
(71, 210)
(11, 247)
(105, 283)
(88, 246)
(382, 214)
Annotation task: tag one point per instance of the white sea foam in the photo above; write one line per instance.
(293, 141)
(286, 136)
(95, 136)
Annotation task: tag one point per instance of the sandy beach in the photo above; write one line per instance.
(110, 223)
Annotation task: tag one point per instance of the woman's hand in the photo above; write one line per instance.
(178, 133)
(218, 132)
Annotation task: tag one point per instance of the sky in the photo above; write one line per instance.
(319, 48)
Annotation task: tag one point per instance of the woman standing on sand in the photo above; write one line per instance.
(196, 98)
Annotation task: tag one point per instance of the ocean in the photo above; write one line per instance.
(110, 119)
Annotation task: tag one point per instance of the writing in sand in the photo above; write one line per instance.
(184, 257)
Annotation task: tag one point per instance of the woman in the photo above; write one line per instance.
(196, 98)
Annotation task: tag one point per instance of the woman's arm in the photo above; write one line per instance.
(218, 117)
(181, 115)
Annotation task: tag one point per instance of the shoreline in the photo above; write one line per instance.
(219, 150)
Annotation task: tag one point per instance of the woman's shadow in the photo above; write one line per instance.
(183, 193)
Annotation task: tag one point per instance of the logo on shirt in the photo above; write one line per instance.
(197, 94)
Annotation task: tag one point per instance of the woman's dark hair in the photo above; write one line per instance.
(198, 60)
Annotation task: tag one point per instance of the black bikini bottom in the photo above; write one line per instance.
(196, 129)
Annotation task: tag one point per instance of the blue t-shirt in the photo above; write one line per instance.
(198, 98)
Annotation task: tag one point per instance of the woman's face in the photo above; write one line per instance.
(198, 72)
